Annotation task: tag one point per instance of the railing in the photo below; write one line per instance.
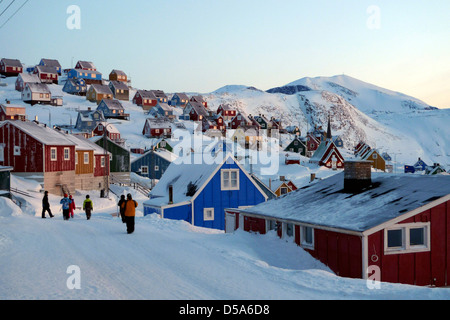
(136, 186)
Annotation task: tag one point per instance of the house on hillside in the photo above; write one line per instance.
(155, 128)
(420, 165)
(51, 63)
(111, 132)
(293, 130)
(36, 93)
(90, 76)
(120, 90)
(113, 109)
(160, 95)
(327, 154)
(46, 74)
(10, 67)
(394, 226)
(199, 192)
(88, 119)
(38, 152)
(227, 111)
(24, 78)
(146, 99)
(85, 65)
(162, 110)
(98, 92)
(296, 146)
(118, 75)
(153, 163)
(12, 112)
(76, 87)
(179, 100)
(195, 111)
(240, 120)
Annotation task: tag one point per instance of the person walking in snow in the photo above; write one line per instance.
(46, 206)
(121, 210)
(65, 206)
(129, 208)
(71, 206)
(88, 207)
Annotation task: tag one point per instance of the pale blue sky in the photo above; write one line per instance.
(202, 45)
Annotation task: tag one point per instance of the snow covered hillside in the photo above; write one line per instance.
(163, 259)
(403, 126)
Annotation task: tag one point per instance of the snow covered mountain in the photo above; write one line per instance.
(392, 122)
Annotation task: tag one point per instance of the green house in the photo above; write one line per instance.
(120, 162)
(296, 146)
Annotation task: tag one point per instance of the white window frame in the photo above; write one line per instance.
(156, 168)
(144, 169)
(53, 157)
(68, 154)
(406, 247)
(102, 161)
(86, 159)
(303, 242)
(223, 172)
(206, 215)
(17, 150)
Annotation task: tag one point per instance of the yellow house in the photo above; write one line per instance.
(378, 161)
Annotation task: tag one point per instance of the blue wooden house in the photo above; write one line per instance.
(162, 110)
(76, 87)
(179, 100)
(51, 63)
(153, 163)
(199, 191)
(420, 165)
(90, 76)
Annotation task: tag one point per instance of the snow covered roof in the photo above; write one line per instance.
(119, 85)
(101, 88)
(29, 77)
(13, 109)
(51, 63)
(38, 87)
(46, 69)
(12, 62)
(113, 104)
(159, 123)
(191, 172)
(326, 204)
(42, 133)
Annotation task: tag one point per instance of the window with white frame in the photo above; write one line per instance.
(307, 237)
(66, 154)
(208, 214)
(86, 158)
(16, 150)
(53, 156)
(406, 238)
(230, 179)
(144, 169)
(102, 162)
(156, 168)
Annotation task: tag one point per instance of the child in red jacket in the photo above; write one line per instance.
(71, 206)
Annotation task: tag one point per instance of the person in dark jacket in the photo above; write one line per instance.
(121, 210)
(129, 208)
(88, 207)
(65, 202)
(46, 205)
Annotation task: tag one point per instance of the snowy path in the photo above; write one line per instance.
(165, 259)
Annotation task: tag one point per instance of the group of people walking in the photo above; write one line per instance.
(127, 208)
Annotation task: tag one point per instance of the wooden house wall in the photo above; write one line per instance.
(213, 197)
(60, 164)
(150, 159)
(100, 171)
(420, 268)
(31, 157)
(84, 168)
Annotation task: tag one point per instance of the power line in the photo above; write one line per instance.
(14, 13)
(7, 7)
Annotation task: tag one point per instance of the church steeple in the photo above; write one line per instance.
(329, 136)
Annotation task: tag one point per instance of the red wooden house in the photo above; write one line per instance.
(383, 227)
(146, 99)
(10, 67)
(240, 120)
(195, 111)
(226, 111)
(312, 142)
(328, 155)
(46, 74)
(12, 112)
(85, 65)
(199, 99)
(159, 127)
(38, 152)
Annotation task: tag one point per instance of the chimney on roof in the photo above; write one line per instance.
(357, 175)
